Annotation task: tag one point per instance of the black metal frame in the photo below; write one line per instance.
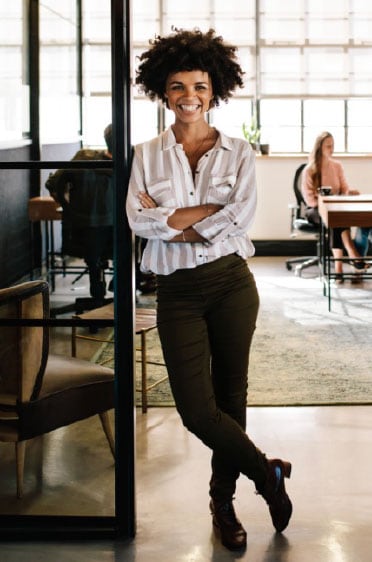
(327, 262)
(122, 524)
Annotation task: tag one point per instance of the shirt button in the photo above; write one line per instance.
(191, 193)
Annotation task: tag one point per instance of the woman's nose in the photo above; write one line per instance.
(189, 92)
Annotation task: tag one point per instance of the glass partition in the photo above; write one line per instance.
(14, 88)
(59, 71)
(57, 388)
(96, 70)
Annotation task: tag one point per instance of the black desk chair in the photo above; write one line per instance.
(300, 225)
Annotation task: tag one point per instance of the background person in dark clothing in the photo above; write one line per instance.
(87, 200)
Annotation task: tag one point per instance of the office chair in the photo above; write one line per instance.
(300, 224)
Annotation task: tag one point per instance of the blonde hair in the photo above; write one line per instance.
(315, 160)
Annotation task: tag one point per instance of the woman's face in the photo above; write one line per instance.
(189, 94)
(327, 147)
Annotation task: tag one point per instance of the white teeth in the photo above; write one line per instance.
(189, 107)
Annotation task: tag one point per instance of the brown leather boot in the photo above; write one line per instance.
(274, 493)
(227, 526)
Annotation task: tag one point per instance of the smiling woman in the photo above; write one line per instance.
(192, 194)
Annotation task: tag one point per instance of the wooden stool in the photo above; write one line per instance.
(44, 209)
(145, 322)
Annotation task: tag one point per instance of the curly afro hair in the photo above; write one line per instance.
(189, 50)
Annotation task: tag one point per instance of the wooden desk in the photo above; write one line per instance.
(345, 214)
(362, 197)
(336, 212)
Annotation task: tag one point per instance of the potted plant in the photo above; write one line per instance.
(265, 149)
(252, 133)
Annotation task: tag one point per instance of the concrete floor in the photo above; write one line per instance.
(331, 489)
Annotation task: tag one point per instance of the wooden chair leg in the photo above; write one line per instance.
(20, 450)
(106, 424)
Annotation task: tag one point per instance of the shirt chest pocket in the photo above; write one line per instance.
(162, 193)
(220, 188)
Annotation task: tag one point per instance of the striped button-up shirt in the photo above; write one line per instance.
(225, 175)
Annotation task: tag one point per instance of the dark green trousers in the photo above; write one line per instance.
(206, 319)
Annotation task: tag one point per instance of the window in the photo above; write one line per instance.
(308, 65)
(360, 124)
(14, 88)
(281, 124)
(59, 97)
(96, 63)
(324, 115)
(319, 53)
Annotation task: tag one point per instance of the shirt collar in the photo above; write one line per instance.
(169, 140)
(224, 141)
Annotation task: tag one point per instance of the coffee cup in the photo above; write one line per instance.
(325, 190)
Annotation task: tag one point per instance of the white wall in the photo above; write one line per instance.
(275, 193)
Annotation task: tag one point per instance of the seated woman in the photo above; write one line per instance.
(323, 170)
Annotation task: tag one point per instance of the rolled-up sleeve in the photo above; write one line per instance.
(146, 223)
(236, 217)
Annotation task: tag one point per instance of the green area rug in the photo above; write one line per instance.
(301, 353)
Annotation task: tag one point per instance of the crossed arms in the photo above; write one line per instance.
(183, 218)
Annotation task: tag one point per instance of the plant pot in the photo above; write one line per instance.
(265, 149)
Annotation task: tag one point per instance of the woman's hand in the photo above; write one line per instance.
(146, 201)
(188, 235)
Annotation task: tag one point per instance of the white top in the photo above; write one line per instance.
(225, 175)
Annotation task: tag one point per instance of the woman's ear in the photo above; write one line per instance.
(212, 103)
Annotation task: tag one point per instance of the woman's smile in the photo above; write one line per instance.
(189, 108)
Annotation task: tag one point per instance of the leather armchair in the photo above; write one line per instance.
(40, 392)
